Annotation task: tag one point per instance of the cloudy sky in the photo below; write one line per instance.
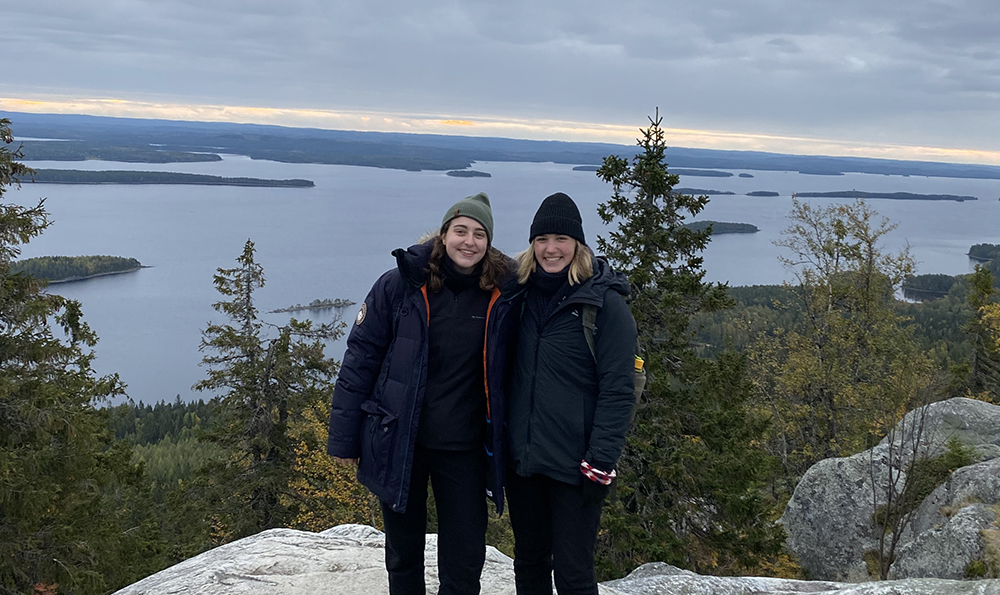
(895, 78)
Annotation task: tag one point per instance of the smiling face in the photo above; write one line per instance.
(465, 243)
(554, 252)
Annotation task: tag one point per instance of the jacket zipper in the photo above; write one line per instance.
(403, 485)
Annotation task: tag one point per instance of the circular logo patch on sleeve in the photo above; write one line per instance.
(361, 314)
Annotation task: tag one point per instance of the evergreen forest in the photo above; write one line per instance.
(65, 268)
(76, 176)
(747, 388)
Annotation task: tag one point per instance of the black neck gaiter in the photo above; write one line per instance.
(456, 280)
(546, 291)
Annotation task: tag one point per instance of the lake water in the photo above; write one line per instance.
(333, 240)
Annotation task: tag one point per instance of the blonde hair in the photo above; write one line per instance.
(581, 267)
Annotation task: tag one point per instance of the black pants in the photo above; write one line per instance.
(554, 529)
(459, 482)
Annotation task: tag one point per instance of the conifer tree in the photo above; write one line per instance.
(73, 507)
(268, 389)
(690, 473)
(984, 365)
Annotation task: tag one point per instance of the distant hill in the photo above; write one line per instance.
(146, 140)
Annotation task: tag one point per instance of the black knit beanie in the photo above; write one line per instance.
(558, 214)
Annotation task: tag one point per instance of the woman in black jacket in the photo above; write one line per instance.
(568, 406)
(420, 384)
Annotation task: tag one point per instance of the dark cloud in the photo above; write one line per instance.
(808, 67)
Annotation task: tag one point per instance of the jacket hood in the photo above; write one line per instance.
(604, 278)
(412, 262)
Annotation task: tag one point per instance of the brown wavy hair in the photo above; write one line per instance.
(495, 265)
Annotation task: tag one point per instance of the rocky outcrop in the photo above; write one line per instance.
(348, 560)
(974, 484)
(974, 423)
(344, 560)
(829, 517)
(945, 551)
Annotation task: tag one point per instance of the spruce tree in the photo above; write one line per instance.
(984, 364)
(73, 506)
(269, 386)
(691, 472)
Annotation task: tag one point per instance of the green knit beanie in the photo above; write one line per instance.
(475, 207)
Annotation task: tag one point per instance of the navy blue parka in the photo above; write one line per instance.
(377, 400)
(563, 406)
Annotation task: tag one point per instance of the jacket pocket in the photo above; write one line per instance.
(378, 435)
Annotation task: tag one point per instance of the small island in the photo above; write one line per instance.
(746, 175)
(888, 195)
(720, 227)
(76, 176)
(468, 173)
(704, 173)
(63, 269)
(762, 193)
(326, 304)
(702, 191)
(586, 168)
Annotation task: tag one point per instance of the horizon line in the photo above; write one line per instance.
(487, 126)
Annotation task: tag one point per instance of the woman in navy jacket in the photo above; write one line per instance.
(568, 406)
(418, 392)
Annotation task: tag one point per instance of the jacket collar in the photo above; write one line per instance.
(412, 262)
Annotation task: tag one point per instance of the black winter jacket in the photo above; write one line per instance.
(563, 407)
(375, 412)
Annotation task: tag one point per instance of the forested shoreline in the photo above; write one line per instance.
(61, 269)
(149, 141)
(76, 176)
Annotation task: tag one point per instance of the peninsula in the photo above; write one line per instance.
(63, 269)
(984, 252)
(889, 195)
(76, 176)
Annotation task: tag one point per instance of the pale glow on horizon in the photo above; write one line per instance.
(531, 129)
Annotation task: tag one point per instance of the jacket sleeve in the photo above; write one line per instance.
(615, 350)
(367, 345)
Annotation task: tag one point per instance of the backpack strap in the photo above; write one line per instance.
(588, 315)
